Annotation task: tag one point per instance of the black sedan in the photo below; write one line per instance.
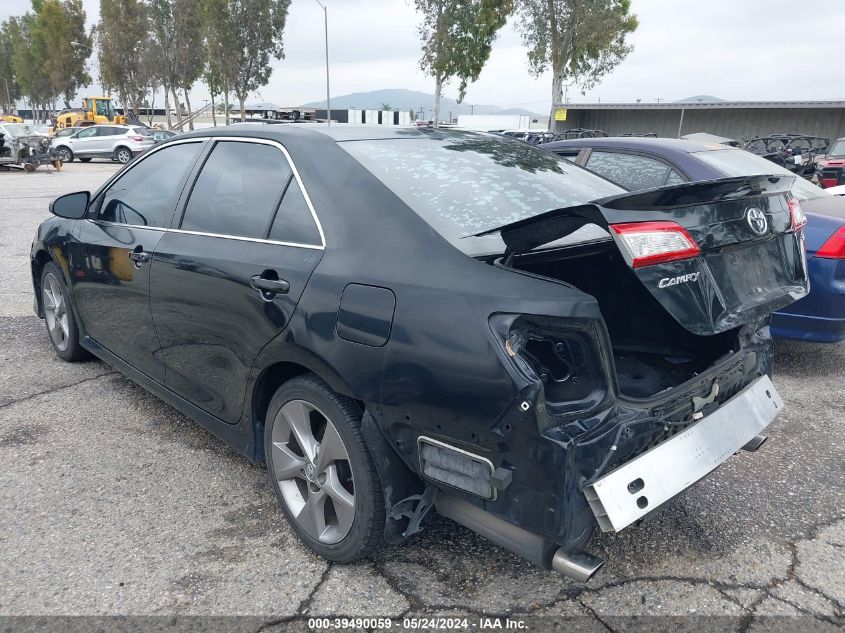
(397, 320)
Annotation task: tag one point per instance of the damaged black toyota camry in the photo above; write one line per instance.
(401, 320)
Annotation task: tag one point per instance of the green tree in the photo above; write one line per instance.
(188, 54)
(580, 40)
(9, 89)
(163, 35)
(122, 44)
(29, 49)
(457, 36)
(219, 37)
(59, 32)
(178, 43)
(255, 29)
(214, 83)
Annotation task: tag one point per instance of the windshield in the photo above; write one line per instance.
(16, 129)
(737, 162)
(105, 108)
(468, 183)
(142, 131)
(838, 148)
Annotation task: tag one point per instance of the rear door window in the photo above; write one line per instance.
(238, 190)
(632, 171)
(293, 222)
(146, 194)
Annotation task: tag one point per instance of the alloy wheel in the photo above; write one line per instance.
(64, 155)
(124, 156)
(311, 465)
(55, 311)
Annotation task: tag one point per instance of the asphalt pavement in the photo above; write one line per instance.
(112, 503)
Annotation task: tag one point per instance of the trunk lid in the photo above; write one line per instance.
(748, 260)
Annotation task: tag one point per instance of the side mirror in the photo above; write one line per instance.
(72, 206)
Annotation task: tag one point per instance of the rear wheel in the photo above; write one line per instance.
(322, 471)
(58, 316)
(123, 155)
(64, 154)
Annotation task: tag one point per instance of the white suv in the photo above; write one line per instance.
(117, 142)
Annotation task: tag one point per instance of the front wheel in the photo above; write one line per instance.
(58, 316)
(123, 155)
(64, 154)
(322, 471)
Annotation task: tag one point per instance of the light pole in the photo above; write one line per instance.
(328, 96)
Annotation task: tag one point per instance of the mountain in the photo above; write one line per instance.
(700, 99)
(401, 99)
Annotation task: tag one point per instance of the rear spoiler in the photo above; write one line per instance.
(525, 235)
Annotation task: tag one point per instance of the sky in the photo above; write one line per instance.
(733, 49)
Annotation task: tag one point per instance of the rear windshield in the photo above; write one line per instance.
(838, 148)
(143, 131)
(737, 162)
(467, 183)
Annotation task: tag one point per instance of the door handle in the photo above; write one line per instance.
(140, 257)
(269, 286)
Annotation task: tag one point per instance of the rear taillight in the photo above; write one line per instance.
(136, 137)
(834, 247)
(655, 242)
(796, 214)
(829, 182)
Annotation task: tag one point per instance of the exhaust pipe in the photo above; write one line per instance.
(580, 566)
(754, 443)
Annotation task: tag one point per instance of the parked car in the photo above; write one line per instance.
(14, 130)
(66, 131)
(795, 152)
(116, 142)
(398, 320)
(830, 170)
(22, 145)
(162, 135)
(646, 163)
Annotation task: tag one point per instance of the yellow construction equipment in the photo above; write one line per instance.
(94, 111)
(10, 118)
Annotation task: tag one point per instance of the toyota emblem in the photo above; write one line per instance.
(756, 220)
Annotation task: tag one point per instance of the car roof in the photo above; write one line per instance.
(667, 147)
(339, 133)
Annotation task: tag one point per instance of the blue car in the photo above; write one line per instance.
(645, 163)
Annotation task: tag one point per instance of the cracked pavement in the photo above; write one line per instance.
(115, 504)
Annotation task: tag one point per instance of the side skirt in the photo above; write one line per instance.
(232, 435)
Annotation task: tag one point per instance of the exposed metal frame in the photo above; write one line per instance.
(640, 486)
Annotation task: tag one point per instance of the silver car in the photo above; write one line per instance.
(117, 142)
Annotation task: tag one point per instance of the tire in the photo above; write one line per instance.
(335, 504)
(85, 160)
(64, 154)
(123, 155)
(62, 330)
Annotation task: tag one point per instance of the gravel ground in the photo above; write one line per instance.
(115, 504)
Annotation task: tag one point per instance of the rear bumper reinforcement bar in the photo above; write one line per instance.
(635, 489)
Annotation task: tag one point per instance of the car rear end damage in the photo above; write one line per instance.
(616, 415)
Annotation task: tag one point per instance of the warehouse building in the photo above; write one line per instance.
(733, 119)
